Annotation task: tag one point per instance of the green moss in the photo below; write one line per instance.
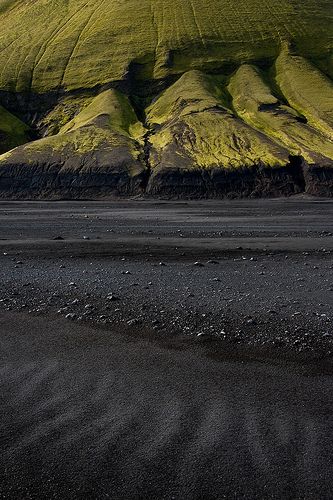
(112, 110)
(7, 5)
(255, 103)
(62, 113)
(45, 45)
(199, 127)
(222, 140)
(13, 132)
(307, 90)
(107, 122)
(84, 45)
(192, 93)
(77, 142)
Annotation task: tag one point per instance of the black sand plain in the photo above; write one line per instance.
(177, 350)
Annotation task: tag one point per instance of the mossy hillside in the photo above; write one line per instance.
(193, 92)
(112, 110)
(6, 5)
(46, 45)
(218, 111)
(65, 110)
(13, 131)
(255, 103)
(199, 129)
(307, 90)
(220, 140)
(104, 125)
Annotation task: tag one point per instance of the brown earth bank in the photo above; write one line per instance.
(166, 350)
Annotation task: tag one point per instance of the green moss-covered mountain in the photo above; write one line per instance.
(166, 97)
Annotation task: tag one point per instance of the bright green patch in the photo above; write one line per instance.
(112, 110)
(49, 44)
(107, 122)
(255, 103)
(307, 89)
(195, 123)
(192, 93)
(62, 113)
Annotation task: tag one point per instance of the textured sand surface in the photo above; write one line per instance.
(129, 372)
(254, 273)
(86, 413)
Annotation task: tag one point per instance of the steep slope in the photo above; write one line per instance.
(97, 153)
(83, 43)
(256, 105)
(13, 131)
(166, 97)
(312, 96)
(199, 145)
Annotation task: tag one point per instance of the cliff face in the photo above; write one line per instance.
(172, 98)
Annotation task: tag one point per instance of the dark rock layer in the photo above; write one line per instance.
(51, 181)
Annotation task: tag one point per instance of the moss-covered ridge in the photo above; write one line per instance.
(255, 103)
(71, 44)
(205, 135)
(196, 125)
(166, 97)
(100, 149)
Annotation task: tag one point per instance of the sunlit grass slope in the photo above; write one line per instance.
(71, 44)
(307, 89)
(108, 121)
(198, 130)
(256, 104)
(102, 143)
(218, 95)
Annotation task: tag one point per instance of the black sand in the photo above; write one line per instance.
(190, 382)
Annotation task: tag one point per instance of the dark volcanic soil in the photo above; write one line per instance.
(89, 414)
(255, 273)
(166, 350)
